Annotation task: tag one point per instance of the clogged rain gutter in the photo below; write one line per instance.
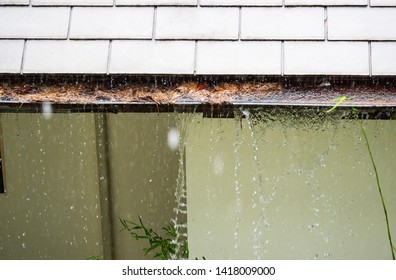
(126, 94)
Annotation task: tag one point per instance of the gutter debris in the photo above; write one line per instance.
(229, 91)
(189, 91)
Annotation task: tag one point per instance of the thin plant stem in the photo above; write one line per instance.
(355, 112)
(378, 183)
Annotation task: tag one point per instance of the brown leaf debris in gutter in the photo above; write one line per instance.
(86, 93)
(201, 92)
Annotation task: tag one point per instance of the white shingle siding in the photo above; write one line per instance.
(255, 58)
(72, 2)
(282, 23)
(383, 58)
(243, 37)
(240, 2)
(112, 23)
(334, 58)
(382, 3)
(361, 24)
(14, 2)
(326, 2)
(157, 2)
(11, 56)
(197, 23)
(24, 22)
(65, 56)
(152, 57)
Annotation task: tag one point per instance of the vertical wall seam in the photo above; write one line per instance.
(30, 3)
(114, 3)
(153, 34)
(109, 57)
(370, 59)
(3, 173)
(240, 24)
(283, 58)
(195, 57)
(104, 184)
(69, 27)
(326, 27)
(23, 56)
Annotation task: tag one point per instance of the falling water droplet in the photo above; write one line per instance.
(173, 139)
(47, 110)
(245, 112)
(218, 165)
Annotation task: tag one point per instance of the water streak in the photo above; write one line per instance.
(259, 245)
(238, 185)
(183, 121)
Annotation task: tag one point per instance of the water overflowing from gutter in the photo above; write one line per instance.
(266, 172)
(289, 179)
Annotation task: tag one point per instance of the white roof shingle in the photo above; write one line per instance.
(58, 56)
(282, 23)
(11, 56)
(14, 2)
(198, 24)
(239, 3)
(334, 58)
(382, 54)
(156, 2)
(239, 58)
(111, 23)
(34, 23)
(326, 2)
(152, 57)
(72, 2)
(362, 24)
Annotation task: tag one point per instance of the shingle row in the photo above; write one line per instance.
(201, 2)
(198, 23)
(203, 40)
(202, 57)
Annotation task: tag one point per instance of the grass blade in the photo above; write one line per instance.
(378, 184)
(339, 101)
